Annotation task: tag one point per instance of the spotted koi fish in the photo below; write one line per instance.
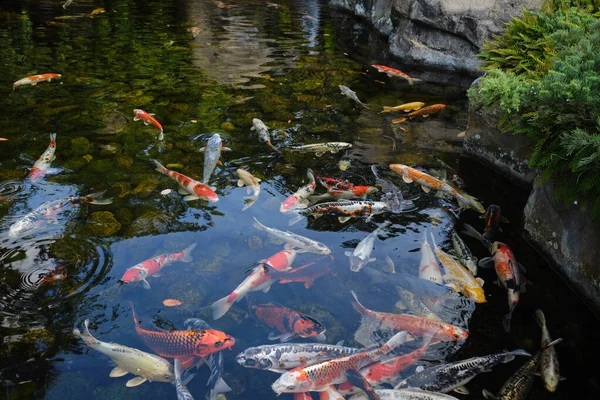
(395, 73)
(185, 345)
(391, 195)
(287, 322)
(35, 79)
(307, 273)
(423, 112)
(404, 107)
(300, 198)
(43, 163)
(428, 267)
(194, 189)
(259, 279)
(429, 183)
(320, 377)
(153, 266)
(549, 367)
(344, 210)
(148, 118)
(344, 189)
(321, 148)
(414, 325)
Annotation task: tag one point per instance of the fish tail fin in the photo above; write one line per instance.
(310, 175)
(507, 317)
(160, 168)
(374, 169)
(86, 336)
(365, 106)
(470, 231)
(220, 387)
(509, 356)
(425, 236)
(186, 253)
(412, 81)
(14, 87)
(220, 307)
(395, 341)
(357, 306)
(552, 343)
(53, 137)
(258, 225)
(488, 395)
(248, 201)
(540, 318)
(161, 135)
(96, 198)
(295, 220)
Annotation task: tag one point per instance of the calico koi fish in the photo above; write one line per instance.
(294, 241)
(344, 210)
(153, 266)
(429, 183)
(282, 357)
(344, 189)
(147, 118)
(464, 254)
(212, 154)
(320, 377)
(253, 186)
(287, 322)
(361, 255)
(549, 367)
(300, 198)
(307, 273)
(518, 386)
(42, 164)
(458, 277)
(185, 345)
(35, 79)
(428, 267)
(403, 107)
(346, 91)
(321, 148)
(423, 112)
(395, 73)
(259, 279)
(415, 326)
(146, 366)
(194, 189)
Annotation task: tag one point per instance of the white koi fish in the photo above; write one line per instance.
(261, 129)
(549, 367)
(212, 153)
(346, 91)
(42, 164)
(362, 253)
(428, 267)
(292, 240)
(35, 79)
(300, 198)
(321, 148)
(194, 189)
(253, 186)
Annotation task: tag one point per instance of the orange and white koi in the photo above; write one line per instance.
(153, 266)
(344, 189)
(148, 118)
(253, 186)
(320, 377)
(300, 198)
(307, 273)
(395, 73)
(42, 164)
(287, 323)
(259, 279)
(194, 189)
(428, 267)
(403, 107)
(35, 79)
(429, 183)
(423, 112)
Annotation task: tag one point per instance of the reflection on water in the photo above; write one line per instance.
(205, 67)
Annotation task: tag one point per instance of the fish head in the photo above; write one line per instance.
(205, 192)
(288, 204)
(135, 273)
(320, 248)
(306, 326)
(293, 381)
(161, 372)
(215, 140)
(476, 293)
(255, 358)
(139, 112)
(218, 341)
(477, 206)
(398, 168)
(356, 263)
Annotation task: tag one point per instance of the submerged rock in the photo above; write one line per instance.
(80, 146)
(103, 224)
(149, 223)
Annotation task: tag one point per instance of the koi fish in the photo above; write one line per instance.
(253, 186)
(344, 189)
(220, 4)
(493, 217)
(300, 198)
(287, 322)
(423, 112)
(261, 129)
(362, 253)
(148, 118)
(293, 240)
(194, 189)
(356, 379)
(185, 345)
(414, 325)
(307, 273)
(509, 276)
(282, 357)
(212, 153)
(346, 91)
(67, 3)
(344, 210)
(454, 376)
(49, 211)
(414, 304)
(549, 367)
(35, 79)
(403, 107)
(518, 386)
(395, 73)
(321, 148)
(42, 164)
(180, 382)
(320, 377)
(429, 183)
(146, 366)
(391, 194)
(54, 274)
(464, 254)
(153, 266)
(405, 394)
(428, 267)
(303, 395)
(458, 277)
(259, 279)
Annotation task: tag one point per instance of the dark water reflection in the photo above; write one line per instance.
(203, 69)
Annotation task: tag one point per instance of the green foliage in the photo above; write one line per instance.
(591, 6)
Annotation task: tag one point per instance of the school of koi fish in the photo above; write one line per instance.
(404, 353)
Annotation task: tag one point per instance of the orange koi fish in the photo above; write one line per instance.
(148, 118)
(287, 322)
(416, 326)
(300, 198)
(307, 273)
(259, 279)
(42, 164)
(429, 183)
(423, 112)
(403, 107)
(395, 73)
(194, 189)
(54, 274)
(184, 345)
(344, 189)
(220, 4)
(35, 79)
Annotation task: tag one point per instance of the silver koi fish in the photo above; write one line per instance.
(42, 164)
(405, 394)
(261, 129)
(212, 153)
(292, 240)
(253, 187)
(362, 253)
(321, 148)
(346, 91)
(180, 382)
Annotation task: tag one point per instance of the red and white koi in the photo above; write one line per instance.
(148, 118)
(300, 198)
(345, 190)
(428, 267)
(253, 186)
(153, 266)
(35, 79)
(293, 240)
(194, 189)
(395, 73)
(259, 279)
(42, 164)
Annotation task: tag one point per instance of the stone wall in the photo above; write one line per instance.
(439, 33)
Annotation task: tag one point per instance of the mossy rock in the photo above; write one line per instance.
(150, 223)
(121, 189)
(123, 161)
(101, 166)
(124, 216)
(370, 131)
(145, 187)
(271, 103)
(325, 128)
(12, 174)
(103, 224)
(80, 146)
(307, 85)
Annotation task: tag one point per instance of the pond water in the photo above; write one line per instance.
(205, 67)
